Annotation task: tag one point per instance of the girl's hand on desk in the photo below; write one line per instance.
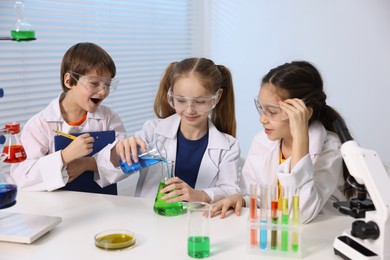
(235, 202)
(178, 190)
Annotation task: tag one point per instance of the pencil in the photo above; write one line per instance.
(65, 134)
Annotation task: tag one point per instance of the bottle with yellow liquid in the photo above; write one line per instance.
(162, 207)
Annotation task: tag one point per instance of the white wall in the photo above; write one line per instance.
(348, 41)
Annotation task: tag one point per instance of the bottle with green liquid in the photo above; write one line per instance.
(162, 207)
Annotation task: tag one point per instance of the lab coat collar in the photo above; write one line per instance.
(53, 113)
(170, 126)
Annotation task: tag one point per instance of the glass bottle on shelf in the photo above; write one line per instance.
(162, 207)
(22, 30)
(13, 151)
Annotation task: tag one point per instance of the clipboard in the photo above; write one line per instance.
(102, 139)
(85, 182)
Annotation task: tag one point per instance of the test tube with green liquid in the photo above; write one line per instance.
(285, 219)
(295, 219)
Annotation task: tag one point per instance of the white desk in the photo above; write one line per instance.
(158, 237)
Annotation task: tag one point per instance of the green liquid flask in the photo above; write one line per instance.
(22, 30)
(162, 207)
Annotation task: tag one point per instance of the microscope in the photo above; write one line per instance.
(368, 238)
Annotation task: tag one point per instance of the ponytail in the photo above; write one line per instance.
(223, 115)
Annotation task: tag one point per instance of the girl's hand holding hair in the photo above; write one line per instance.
(299, 115)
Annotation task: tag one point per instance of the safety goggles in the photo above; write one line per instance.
(199, 104)
(272, 111)
(95, 84)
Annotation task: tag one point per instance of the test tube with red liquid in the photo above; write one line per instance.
(274, 216)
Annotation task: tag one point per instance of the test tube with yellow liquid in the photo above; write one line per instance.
(295, 219)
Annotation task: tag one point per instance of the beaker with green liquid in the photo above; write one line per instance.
(162, 207)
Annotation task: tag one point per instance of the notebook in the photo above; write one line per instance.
(85, 182)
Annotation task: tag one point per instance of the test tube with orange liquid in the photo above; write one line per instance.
(253, 214)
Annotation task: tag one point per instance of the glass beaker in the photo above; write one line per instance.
(22, 30)
(155, 153)
(13, 151)
(162, 207)
(198, 241)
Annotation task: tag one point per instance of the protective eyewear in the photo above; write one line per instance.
(272, 111)
(199, 104)
(95, 84)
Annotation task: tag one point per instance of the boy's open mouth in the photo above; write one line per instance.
(95, 100)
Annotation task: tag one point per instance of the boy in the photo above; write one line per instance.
(87, 76)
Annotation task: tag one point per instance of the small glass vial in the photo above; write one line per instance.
(13, 151)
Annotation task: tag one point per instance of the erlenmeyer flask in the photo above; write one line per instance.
(155, 154)
(161, 207)
(22, 30)
(13, 151)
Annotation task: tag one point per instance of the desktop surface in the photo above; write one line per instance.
(157, 237)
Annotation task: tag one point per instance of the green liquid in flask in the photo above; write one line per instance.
(161, 207)
(23, 35)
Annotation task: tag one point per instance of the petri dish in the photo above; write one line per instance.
(115, 239)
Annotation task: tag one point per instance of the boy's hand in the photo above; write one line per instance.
(76, 167)
(78, 148)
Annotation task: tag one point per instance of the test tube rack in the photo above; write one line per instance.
(274, 239)
(275, 231)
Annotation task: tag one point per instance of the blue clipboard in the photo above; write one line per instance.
(85, 182)
(102, 139)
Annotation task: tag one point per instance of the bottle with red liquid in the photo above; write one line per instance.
(13, 151)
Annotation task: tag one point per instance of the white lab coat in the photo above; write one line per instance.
(44, 170)
(218, 169)
(319, 175)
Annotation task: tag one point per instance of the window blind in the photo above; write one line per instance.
(142, 36)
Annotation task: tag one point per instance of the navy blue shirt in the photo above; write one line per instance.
(188, 157)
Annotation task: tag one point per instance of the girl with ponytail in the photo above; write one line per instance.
(196, 122)
(298, 147)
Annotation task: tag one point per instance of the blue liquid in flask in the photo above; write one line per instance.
(143, 162)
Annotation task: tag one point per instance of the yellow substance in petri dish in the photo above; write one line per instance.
(115, 241)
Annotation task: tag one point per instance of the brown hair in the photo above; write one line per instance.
(213, 78)
(83, 58)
